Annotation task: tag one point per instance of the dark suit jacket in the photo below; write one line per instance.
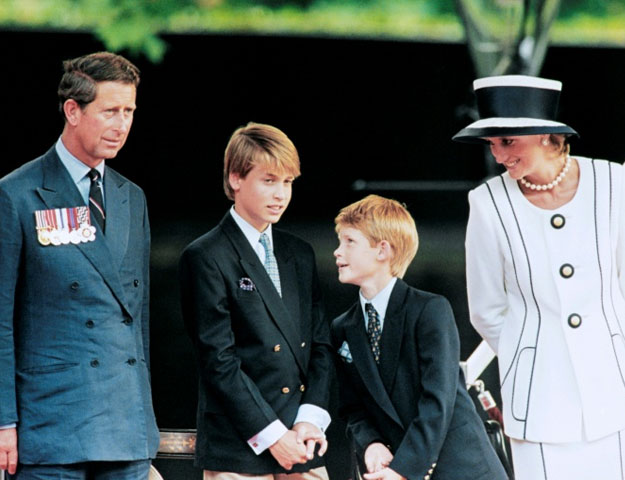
(416, 402)
(260, 356)
(74, 370)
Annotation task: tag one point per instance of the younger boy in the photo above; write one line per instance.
(402, 392)
(251, 302)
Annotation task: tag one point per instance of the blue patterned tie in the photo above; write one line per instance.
(270, 262)
(374, 331)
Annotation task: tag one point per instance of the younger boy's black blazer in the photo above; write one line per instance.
(260, 356)
(415, 401)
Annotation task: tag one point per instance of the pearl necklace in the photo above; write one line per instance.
(556, 181)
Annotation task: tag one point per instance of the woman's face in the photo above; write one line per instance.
(522, 156)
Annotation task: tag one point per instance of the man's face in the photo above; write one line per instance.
(262, 196)
(101, 127)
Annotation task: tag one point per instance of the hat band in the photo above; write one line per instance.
(514, 122)
(517, 102)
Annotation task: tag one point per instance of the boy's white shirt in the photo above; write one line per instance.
(252, 235)
(380, 302)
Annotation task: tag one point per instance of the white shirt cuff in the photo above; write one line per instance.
(310, 413)
(6, 427)
(267, 437)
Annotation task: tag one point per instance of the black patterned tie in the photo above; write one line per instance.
(374, 331)
(96, 202)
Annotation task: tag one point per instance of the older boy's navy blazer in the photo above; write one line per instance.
(416, 400)
(260, 356)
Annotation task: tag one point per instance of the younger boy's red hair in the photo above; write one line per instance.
(379, 218)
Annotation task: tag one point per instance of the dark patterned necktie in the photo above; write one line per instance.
(271, 265)
(374, 331)
(96, 201)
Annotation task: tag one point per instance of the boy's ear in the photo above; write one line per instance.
(234, 179)
(385, 251)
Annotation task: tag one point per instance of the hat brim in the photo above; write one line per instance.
(504, 127)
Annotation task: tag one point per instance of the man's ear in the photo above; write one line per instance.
(72, 112)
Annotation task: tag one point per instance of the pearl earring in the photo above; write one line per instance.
(545, 142)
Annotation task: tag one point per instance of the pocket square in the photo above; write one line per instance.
(344, 353)
(246, 283)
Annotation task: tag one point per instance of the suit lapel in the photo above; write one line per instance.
(364, 362)
(392, 334)
(60, 191)
(251, 264)
(117, 214)
(288, 281)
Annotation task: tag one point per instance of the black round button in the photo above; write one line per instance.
(95, 363)
(89, 324)
(131, 361)
(567, 270)
(136, 282)
(575, 320)
(127, 321)
(74, 285)
(557, 221)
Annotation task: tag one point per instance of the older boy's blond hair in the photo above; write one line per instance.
(379, 218)
(259, 144)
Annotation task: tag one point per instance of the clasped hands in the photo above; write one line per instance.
(377, 460)
(298, 445)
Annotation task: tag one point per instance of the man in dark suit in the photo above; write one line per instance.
(402, 392)
(251, 302)
(75, 399)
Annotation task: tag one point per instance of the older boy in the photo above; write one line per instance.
(251, 302)
(402, 392)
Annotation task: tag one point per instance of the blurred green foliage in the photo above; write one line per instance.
(136, 25)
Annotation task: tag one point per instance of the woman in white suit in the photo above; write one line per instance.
(545, 252)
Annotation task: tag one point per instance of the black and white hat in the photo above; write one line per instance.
(511, 105)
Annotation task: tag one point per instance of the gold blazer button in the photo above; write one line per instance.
(285, 390)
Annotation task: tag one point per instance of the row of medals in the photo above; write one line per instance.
(49, 236)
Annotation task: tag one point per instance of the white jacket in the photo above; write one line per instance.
(550, 303)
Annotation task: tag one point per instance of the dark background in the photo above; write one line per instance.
(378, 111)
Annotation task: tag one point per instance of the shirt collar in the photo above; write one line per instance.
(380, 301)
(252, 235)
(77, 169)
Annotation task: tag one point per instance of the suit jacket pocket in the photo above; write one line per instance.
(522, 383)
(51, 368)
(248, 295)
(53, 384)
